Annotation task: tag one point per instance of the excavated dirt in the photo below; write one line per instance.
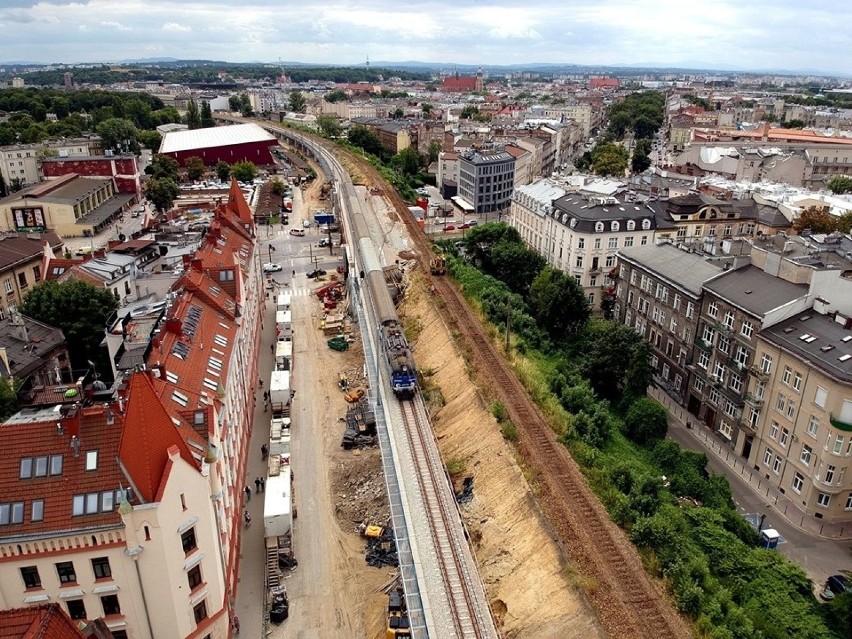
(532, 591)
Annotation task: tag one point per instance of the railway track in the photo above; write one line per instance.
(450, 549)
(629, 604)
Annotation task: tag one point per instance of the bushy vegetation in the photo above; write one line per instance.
(682, 518)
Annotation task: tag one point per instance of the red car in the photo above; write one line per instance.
(462, 227)
(449, 227)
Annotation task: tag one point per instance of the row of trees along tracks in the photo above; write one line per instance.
(469, 618)
(628, 602)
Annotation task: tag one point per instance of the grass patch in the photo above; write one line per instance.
(498, 409)
(456, 466)
(509, 431)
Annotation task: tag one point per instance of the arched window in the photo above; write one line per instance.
(614, 226)
(631, 225)
(646, 224)
(599, 227)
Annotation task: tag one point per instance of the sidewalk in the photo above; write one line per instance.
(702, 439)
(251, 591)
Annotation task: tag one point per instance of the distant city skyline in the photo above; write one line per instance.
(768, 35)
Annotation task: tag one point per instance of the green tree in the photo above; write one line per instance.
(278, 187)
(398, 113)
(407, 161)
(609, 159)
(7, 135)
(615, 360)
(426, 108)
(434, 150)
(297, 102)
(336, 96)
(61, 107)
(234, 103)
(558, 303)
(469, 112)
(206, 115)
(329, 125)
(164, 166)
(194, 167)
(245, 106)
(149, 139)
(162, 192)
(619, 123)
(481, 240)
(193, 116)
(362, 137)
(640, 162)
(646, 421)
(80, 310)
(645, 127)
(33, 133)
(8, 397)
(840, 184)
(118, 134)
(516, 265)
(223, 170)
(244, 171)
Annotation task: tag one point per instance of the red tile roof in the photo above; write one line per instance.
(38, 438)
(238, 205)
(48, 621)
(458, 83)
(148, 435)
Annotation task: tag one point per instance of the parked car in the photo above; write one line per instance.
(298, 232)
(324, 242)
(271, 267)
(317, 273)
(462, 227)
(449, 227)
(838, 584)
(472, 222)
(306, 224)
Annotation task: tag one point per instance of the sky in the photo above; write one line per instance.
(724, 34)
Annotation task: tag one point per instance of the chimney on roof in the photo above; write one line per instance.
(17, 327)
(174, 325)
(99, 253)
(185, 261)
(196, 265)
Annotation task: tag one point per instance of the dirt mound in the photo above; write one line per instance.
(528, 584)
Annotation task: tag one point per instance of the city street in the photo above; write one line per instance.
(818, 557)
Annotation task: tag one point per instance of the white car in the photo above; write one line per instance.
(271, 267)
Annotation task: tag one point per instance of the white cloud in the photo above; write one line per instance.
(112, 24)
(176, 27)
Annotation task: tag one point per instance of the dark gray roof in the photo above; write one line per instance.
(488, 158)
(771, 216)
(74, 191)
(682, 268)
(754, 291)
(107, 209)
(24, 247)
(587, 211)
(824, 352)
(27, 356)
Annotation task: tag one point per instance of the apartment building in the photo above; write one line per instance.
(800, 412)
(659, 293)
(130, 509)
(582, 234)
(735, 307)
(486, 181)
(22, 265)
(20, 164)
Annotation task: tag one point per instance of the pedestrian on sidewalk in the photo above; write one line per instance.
(257, 485)
(260, 383)
(248, 493)
(264, 451)
(262, 485)
(235, 624)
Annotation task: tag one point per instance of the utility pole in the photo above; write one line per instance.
(508, 322)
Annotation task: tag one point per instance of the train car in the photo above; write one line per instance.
(403, 372)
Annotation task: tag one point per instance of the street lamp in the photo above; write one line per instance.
(271, 250)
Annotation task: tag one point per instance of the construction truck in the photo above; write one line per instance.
(438, 265)
(398, 623)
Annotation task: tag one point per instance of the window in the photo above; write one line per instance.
(200, 611)
(226, 276)
(712, 309)
(829, 474)
(791, 409)
(644, 240)
(31, 577)
(708, 334)
(725, 430)
(188, 541)
(673, 325)
(91, 460)
(678, 381)
(66, 572)
(730, 409)
(849, 501)
(110, 605)
(26, 468)
(597, 239)
(713, 398)
(773, 430)
(820, 396)
(7, 284)
(37, 510)
(41, 466)
(628, 241)
(76, 609)
(797, 382)
(766, 363)
(742, 355)
(56, 464)
(754, 418)
(690, 309)
(759, 390)
(729, 320)
(194, 577)
(100, 568)
(767, 457)
(22, 279)
(785, 435)
(609, 262)
(747, 330)
(838, 444)
(823, 500)
(805, 457)
(613, 241)
(813, 425)
(724, 344)
(736, 383)
(788, 374)
(703, 359)
(581, 243)
(579, 262)
(12, 513)
(776, 466)
(798, 482)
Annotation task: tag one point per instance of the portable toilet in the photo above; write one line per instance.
(769, 538)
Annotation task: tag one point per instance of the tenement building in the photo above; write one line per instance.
(800, 412)
(659, 293)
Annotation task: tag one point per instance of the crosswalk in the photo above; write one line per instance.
(294, 292)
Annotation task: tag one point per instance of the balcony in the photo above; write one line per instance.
(722, 329)
(754, 401)
(704, 346)
(759, 373)
(839, 424)
(736, 366)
